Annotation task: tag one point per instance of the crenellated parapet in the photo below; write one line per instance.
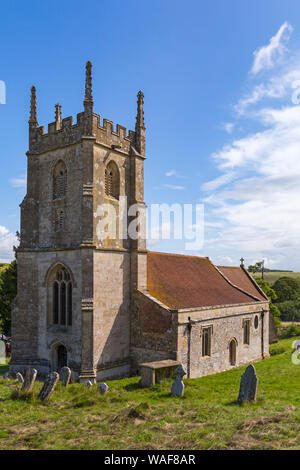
(67, 133)
(108, 134)
(63, 132)
(60, 134)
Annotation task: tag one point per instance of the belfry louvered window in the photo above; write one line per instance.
(59, 180)
(62, 298)
(112, 181)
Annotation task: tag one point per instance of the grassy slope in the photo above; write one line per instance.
(272, 277)
(207, 417)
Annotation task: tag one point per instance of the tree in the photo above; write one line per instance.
(289, 310)
(287, 288)
(272, 296)
(255, 268)
(8, 291)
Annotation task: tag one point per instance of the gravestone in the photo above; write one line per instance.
(103, 388)
(89, 384)
(19, 378)
(29, 380)
(177, 389)
(49, 386)
(248, 386)
(65, 375)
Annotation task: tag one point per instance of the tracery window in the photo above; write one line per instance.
(62, 298)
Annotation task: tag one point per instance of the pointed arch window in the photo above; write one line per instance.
(62, 290)
(59, 180)
(112, 180)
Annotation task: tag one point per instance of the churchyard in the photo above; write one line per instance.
(129, 417)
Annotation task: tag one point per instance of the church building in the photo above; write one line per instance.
(100, 305)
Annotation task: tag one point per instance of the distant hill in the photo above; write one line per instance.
(272, 276)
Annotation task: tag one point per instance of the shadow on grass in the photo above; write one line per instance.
(244, 404)
(17, 395)
(133, 387)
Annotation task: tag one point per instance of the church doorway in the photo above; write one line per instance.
(232, 352)
(60, 358)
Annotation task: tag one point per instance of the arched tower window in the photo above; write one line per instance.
(112, 180)
(61, 297)
(59, 180)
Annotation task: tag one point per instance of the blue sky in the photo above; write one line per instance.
(221, 107)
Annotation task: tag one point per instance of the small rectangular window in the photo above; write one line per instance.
(246, 327)
(206, 341)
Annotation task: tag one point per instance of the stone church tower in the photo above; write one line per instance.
(75, 285)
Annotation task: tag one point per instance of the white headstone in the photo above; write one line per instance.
(177, 389)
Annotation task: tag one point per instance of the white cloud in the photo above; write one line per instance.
(174, 187)
(7, 241)
(217, 182)
(267, 56)
(19, 182)
(228, 127)
(260, 210)
(174, 173)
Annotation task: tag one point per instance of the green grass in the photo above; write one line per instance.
(127, 417)
(272, 277)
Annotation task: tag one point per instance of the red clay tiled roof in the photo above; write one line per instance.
(181, 282)
(239, 278)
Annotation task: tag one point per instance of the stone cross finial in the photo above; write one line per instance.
(242, 262)
(33, 109)
(58, 116)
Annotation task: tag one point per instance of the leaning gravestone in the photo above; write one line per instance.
(89, 384)
(177, 389)
(19, 378)
(49, 386)
(103, 388)
(65, 375)
(248, 387)
(29, 380)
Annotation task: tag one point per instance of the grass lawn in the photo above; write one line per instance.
(272, 277)
(207, 417)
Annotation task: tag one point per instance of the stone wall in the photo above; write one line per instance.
(226, 324)
(34, 335)
(111, 313)
(153, 331)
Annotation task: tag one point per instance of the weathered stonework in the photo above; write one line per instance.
(82, 301)
(61, 233)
